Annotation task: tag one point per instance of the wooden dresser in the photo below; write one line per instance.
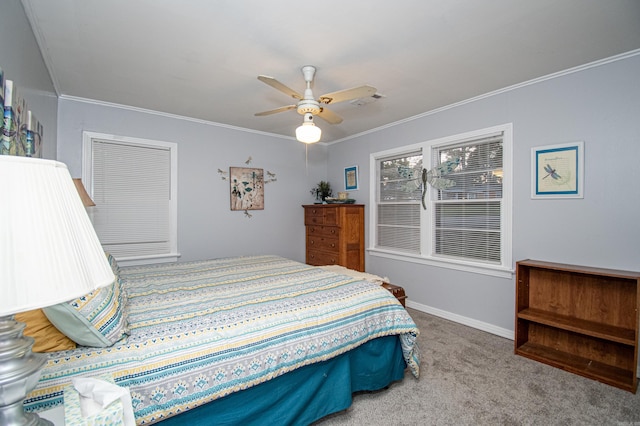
(335, 235)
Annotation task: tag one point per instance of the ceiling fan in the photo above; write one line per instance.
(307, 104)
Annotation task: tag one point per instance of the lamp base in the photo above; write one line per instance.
(19, 374)
(14, 415)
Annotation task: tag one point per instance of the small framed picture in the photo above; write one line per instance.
(558, 171)
(351, 178)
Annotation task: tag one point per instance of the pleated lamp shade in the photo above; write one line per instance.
(49, 251)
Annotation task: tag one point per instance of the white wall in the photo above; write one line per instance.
(22, 62)
(598, 105)
(206, 226)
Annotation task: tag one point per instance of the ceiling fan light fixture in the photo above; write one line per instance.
(308, 132)
(309, 106)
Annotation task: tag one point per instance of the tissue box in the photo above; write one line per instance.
(112, 415)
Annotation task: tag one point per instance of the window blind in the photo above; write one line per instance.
(132, 191)
(398, 202)
(468, 216)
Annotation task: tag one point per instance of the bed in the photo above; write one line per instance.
(240, 340)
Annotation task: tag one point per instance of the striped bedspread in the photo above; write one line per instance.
(201, 330)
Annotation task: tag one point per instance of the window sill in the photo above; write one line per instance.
(492, 270)
(147, 260)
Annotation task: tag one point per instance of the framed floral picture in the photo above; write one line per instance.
(558, 171)
(246, 188)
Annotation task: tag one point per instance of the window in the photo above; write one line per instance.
(463, 220)
(133, 183)
(398, 225)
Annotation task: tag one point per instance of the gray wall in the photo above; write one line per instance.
(206, 226)
(600, 106)
(22, 62)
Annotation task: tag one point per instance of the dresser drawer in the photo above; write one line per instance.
(320, 216)
(319, 258)
(323, 231)
(323, 243)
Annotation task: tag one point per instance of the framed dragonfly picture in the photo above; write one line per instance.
(558, 171)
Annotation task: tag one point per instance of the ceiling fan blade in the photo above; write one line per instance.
(279, 86)
(347, 94)
(329, 116)
(275, 111)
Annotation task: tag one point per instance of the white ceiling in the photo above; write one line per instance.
(200, 58)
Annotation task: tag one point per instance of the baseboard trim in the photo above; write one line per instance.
(489, 328)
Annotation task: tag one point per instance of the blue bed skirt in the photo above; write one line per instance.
(307, 394)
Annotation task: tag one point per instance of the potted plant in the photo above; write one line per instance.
(321, 191)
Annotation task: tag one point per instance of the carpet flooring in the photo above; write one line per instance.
(470, 377)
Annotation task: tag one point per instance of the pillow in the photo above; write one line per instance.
(113, 263)
(97, 319)
(115, 268)
(47, 337)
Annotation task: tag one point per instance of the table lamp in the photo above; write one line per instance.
(49, 253)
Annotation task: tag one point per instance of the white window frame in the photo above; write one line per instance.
(87, 178)
(502, 270)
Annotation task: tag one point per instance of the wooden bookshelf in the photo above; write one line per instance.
(580, 319)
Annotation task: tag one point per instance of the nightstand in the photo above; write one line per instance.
(397, 291)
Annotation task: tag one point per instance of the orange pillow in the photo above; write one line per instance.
(47, 337)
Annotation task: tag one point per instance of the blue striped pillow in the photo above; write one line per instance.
(97, 319)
